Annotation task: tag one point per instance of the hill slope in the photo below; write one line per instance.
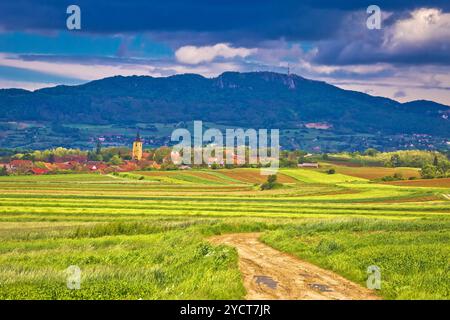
(248, 99)
(258, 100)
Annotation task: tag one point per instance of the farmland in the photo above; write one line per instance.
(373, 173)
(144, 234)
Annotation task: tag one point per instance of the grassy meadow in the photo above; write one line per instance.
(143, 235)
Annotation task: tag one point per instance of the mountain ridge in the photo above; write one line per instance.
(252, 99)
(20, 90)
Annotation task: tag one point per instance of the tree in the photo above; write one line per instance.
(98, 148)
(286, 163)
(116, 160)
(435, 161)
(395, 160)
(161, 154)
(270, 183)
(272, 178)
(215, 166)
(428, 172)
(28, 156)
(3, 171)
(371, 152)
(398, 176)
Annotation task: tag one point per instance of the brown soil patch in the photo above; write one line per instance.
(345, 163)
(437, 183)
(244, 175)
(377, 172)
(254, 176)
(271, 274)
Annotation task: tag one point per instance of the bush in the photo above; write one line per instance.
(398, 176)
(169, 167)
(428, 172)
(116, 160)
(271, 183)
(371, 152)
(331, 171)
(3, 171)
(215, 166)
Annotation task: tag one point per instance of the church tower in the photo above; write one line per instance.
(137, 148)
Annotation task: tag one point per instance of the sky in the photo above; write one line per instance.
(408, 58)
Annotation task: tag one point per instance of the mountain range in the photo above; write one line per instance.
(249, 100)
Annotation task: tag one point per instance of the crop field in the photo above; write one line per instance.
(144, 234)
(373, 173)
(432, 183)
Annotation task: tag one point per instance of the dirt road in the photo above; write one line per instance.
(271, 274)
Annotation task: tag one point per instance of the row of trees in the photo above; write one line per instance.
(47, 155)
(439, 169)
(403, 158)
(432, 164)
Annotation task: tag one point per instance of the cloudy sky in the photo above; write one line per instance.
(407, 59)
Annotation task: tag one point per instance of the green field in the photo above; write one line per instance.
(143, 235)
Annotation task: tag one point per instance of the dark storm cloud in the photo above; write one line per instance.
(392, 5)
(261, 20)
(355, 44)
(337, 28)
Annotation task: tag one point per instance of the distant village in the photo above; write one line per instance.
(103, 160)
(100, 160)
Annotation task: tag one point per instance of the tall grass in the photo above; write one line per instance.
(145, 237)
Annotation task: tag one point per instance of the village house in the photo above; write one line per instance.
(18, 164)
(71, 158)
(97, 166)
(63, 166)
(126, 166)
(21, 166)
(39, 171)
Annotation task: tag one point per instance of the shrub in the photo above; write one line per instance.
(428, 172)
(271, 183)
(398, 176)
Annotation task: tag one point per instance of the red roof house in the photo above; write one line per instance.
(39, 171)
(21, 163)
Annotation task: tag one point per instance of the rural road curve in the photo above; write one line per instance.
(271, 274)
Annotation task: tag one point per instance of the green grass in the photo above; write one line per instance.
(146, 237)
(162, 265)
(413, 256)
(310, 176)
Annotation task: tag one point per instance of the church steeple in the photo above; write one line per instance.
(137, 147)
(138, 136)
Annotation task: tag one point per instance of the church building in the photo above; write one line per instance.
(137, 148)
